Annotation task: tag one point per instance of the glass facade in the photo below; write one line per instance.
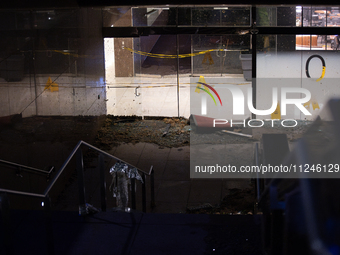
(154, 50)
(52, 63)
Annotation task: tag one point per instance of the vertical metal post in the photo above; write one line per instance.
(177, 44)
(133, 194)
(81, 182)
(192, 57)
(152, 180)
(253, 48)
(6, 223)
(143, 193)
(257, 174)
(33, 38)
(48, 225)
(220, 57)
(102, 182)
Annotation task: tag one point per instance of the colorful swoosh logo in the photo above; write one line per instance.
(207, 91)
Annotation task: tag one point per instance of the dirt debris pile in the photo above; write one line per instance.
(165, 132)
(237, 201)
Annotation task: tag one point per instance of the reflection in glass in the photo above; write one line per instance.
(321, 16)
(117, 17)
(317, 42)
(176, 16)
(276, 16)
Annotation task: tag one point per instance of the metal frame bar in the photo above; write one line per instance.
(60, 171)
(81, 182)
(143, 193)
(133, 193)
(102, 182)
(145, 31)
(152, 179)
(253, 58)
(26, 168)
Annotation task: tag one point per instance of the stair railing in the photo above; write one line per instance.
(22, 168)
(83, 206)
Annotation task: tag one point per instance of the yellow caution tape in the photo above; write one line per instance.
(155, 55)
(182, 85)
(322, 74)
(75, 55)
(277, 113)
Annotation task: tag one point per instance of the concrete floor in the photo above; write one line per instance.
(175, 191)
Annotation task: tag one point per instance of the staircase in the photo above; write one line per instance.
(107, 231)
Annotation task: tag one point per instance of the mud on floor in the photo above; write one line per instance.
(177, 132)
(165, 132)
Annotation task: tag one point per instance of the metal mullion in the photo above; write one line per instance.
(145, 31)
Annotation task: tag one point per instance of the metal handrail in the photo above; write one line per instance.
(60, 171)
(84, 208)
(26, 168)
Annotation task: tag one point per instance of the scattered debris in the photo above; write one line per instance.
(166, 129)
(237, 202)
(165, 132)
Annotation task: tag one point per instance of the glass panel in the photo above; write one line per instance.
(220, 16)
(321, 16)
(313, 69)
(266, 16)
(144, 80)
(57, 67)
(274, 43)
(55, 18)
(291, 16)
(177, 16)
(276, 16)
(161, 78)
(317, 42)
(299, 18)
(117, 16)
(219, 54)
(15, 20)
(162, 59)
(154, 16)
(334, 42)
(55, 51)
(333, 16)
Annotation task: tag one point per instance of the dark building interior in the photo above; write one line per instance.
(56, 89)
